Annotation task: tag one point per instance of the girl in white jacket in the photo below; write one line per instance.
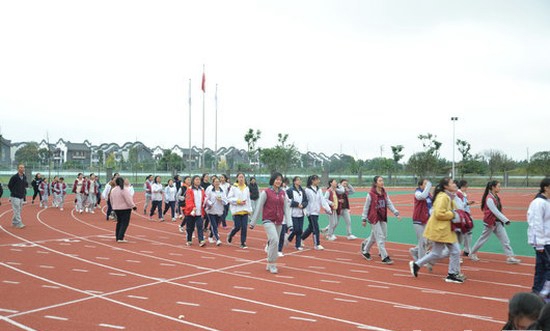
(316, 201)
(239, 203)
(156, 197)
(170, 199)
(538, 236)
(216, 200)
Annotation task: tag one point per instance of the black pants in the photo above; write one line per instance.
(123, 220)
(36, 192)
(542, 269)
(313, 227)
(109, 209)
(170, 205)
(191, 223)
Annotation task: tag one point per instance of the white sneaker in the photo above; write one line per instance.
(414, 253)
(61, 208)
(319, 248)
(332, 238)
(461, 260)
(86, 209)
(218, 243)
(272, 268)
(91, 211)
(281, 254)
(325, 230)
(474, 257)
(512, 260)
(301, 248)
(182, 229)
(174, 219)
(266, 247)
(352, 237)
(211, 240)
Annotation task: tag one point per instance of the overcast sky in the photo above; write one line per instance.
(337, 76)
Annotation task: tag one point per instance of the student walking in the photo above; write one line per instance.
(35, 184)
(79, 189)
(538, 236)
(18, 190)
(110, 215)
(147, 187)
(52, 187)
(274, 206)
(463, 204)
(254, 192)
(423, 202)
(494, 221)
(59, 192)
(44, 189)
(92, 187)
(225, 186)
(194, 211)
(375, 212)
(240, 205)
(343, 191)
(170, 199)
(180, 197)
(336, 208)
(123, 204)
(298, 205)
(156, 197)
(316, 201)
(439, 232)
(216, 200)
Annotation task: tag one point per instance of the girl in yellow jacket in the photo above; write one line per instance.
(439, 232)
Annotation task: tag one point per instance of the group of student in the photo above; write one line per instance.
(43, 190)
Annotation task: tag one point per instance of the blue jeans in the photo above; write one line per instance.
(191, 222)
(298, 229)
(214, 222)
(542, 269)
(240, 224)
(313, 227)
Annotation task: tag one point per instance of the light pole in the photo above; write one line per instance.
(454, 119)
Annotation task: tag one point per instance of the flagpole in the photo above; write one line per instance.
(190, 125)
(216, 131)
(203, 114)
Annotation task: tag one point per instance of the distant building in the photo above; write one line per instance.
(5, 152)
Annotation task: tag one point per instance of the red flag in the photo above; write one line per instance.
(203, 85)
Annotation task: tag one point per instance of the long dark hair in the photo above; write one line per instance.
(490, 185)
(193, 181)
(543, 322)
(274, 177)
(441, 186)
(543, 184)
(375, 180)
(523, 304)
(120, 182)
(310, 180)
(330, 182)
(462, 183)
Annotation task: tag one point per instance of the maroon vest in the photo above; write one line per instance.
(274, 207)
(378, 211)
(421, 212)
(488, 217)
(343, 201)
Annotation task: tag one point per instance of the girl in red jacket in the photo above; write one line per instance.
(194, 210)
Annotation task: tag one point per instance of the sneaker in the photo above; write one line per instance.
(272, 268)
(512, 260)
(280, 254)
(86, 209)
(414, 253)
(229, 239)
(453, 278)
(218, 243)
(466, 253)
(188, 243)
(266, 248)
(161, 220)
(461, 260)
(243, 246)
(144, 212)
(352, 237)
(61, 208)
(211, 240)
(202, 243)
(366, 256)
(19, 226)
(286, 241)
(462, 276)
(174, 219)
(182, 229)
(414, 268)
(325, 230)
(332, 238)
(319, 248)
(363, 247)
(387, 260)
(122, 241)
(474, 257)
(430, 267)
(301, 248)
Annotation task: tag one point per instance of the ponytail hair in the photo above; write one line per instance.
(120, 182)
(375, 180)
(461, 183)
(490, 185)
(310, 180)
(441, 186)
(544, 184)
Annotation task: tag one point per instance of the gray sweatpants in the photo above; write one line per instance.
(80, 202)
(273, 233)
(438, 252)
(332, 223)
(467, 242)
(16, 205)
(420, 248)
(378, 234)
(499, 230)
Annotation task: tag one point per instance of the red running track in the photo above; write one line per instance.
(65, 272)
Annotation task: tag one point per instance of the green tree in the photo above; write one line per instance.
(357, 168)
(540, 163)
(426, 163)
(110, 162)
(170, 161)
(27, 154)
(251, 139)
(464, 150)
(281, 157)
(498, 162)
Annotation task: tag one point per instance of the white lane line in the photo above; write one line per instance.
(379, 286)
(137, 297)
(102, 258)
(188, 304)
(407, 307)
(167, 265)
(16, 250)
(89, 246)
(56, 318)
(316, 267)
(148, 252)
(174, 254)
(435, 292)
(243, 288)
(495, 299)
(208, 257)
(8, 311)
(359, 271)
(110, 326)
(133, 261)
(17, 324)
(242, 272)
(80, 270)
(295, 294)
(13, 263)
(42, 252)
(94, 291)
(10, 282)
(343, 259)
(283, 276)
(197, 283)
(302, 319)
(46, 266)
(346, 300)
(243, 311)
(117, 274)
(478, 316)
(51, 286)
(331, 281)
(402, 275)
